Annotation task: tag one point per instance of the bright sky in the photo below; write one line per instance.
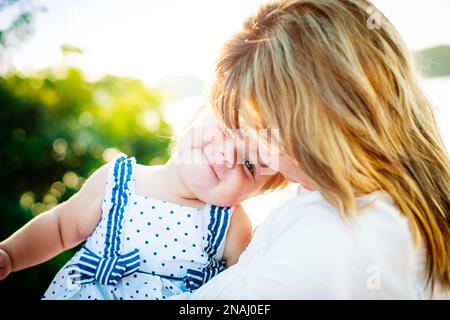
(146, 39)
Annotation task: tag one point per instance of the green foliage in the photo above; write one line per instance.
(56, 129)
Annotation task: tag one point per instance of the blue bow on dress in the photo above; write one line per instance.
(106, 270)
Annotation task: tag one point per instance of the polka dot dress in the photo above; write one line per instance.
(143, 248)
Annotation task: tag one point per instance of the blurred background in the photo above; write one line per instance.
(81, 80)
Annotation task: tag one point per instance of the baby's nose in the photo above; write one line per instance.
(229, 153)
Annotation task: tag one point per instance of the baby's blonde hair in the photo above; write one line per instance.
(346, 100)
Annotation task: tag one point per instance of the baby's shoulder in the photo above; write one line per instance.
(99, 183)
(238, 235)
(82, 211)
(239, 216)
(94, 186)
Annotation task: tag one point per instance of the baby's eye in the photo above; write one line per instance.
(250, 167)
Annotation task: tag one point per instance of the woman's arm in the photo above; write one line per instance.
(61, 228)
(238, 236)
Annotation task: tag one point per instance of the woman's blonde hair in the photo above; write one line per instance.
(343, 92)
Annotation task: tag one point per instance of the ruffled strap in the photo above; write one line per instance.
(120, 182)
(113, 181)
(112, 265)
(218, 224)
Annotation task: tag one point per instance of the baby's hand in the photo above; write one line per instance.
(5, 264)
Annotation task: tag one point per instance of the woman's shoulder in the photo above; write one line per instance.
(380, 215)
(317, 245)
(376, 235)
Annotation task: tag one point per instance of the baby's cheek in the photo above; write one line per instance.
(219, 195)
(237, 193)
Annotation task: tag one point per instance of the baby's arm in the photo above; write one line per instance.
(60, 228)
(238, 236)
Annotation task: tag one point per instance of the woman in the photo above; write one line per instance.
(355, 127)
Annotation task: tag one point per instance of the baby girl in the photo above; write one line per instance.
(149, 232)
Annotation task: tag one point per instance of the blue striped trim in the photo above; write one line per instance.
(107, 270)
(124, 194)
(123, 197)
(116, 198)
(217, 227)
(122, 175)
(224, 226)
(115, 203)
(126, 174)
(110, 268)
(218, 224)
(212, 228)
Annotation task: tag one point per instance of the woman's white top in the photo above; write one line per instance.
(305, 250)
